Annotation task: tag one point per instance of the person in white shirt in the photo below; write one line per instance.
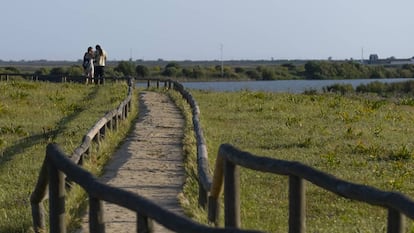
(100, 60)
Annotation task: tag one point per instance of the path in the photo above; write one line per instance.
(149, 162)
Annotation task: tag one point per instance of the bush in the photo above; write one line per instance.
(75, 70)
(253, 74)
(142, 71)
(126, 68)
(339, 88)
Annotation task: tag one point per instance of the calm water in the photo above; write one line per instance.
(291, 86)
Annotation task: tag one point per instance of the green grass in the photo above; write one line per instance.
(364, 140)
(32, 114)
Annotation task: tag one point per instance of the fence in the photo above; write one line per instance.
(97, 133)
(226, 174)
(204, 178)
(57, 166)
(56, 78)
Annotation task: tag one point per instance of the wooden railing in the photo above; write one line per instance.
(97, 133)
(227, 171)
(55, 78)
(58, 167)
(204, 177)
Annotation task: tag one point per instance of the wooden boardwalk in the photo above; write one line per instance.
(150, 162)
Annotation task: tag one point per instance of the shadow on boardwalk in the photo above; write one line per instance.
(150, 162)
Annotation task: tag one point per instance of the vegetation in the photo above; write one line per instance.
(362, 139)
(312, 69)
(403, 90)
(32, 114)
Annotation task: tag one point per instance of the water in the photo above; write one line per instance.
(291, 86)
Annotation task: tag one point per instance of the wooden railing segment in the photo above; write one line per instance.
(229, 157)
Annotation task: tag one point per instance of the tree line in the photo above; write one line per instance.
(308, 70)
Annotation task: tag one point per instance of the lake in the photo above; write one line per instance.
(291, 86)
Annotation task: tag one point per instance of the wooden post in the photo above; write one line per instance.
(56, 199)
(231, 195)
(202, 196)
(395, 221)
(116, 122)
(213, 211)
(148, 83)
(297, 205)
(96, 222)
(125, 111)
(158, 83)
(144, 224)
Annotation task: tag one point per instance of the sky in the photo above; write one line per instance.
(207, 30)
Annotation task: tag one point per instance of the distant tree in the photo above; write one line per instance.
(197, 72)
(126, 68)
(172, 69)
(75, 70)
(239, 70)
(42, 71)
(268, 74)
(290, 66)
(142, 71)
(187, 72)
(172, 64)
(253, 74)
(170, 72)
(58, 71)
(12, 70)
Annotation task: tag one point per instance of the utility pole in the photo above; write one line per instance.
(362, 55)
(221, 58)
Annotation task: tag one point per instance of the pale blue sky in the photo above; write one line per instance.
(195, 29)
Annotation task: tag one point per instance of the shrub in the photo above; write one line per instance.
(339, 88)
(142, 71)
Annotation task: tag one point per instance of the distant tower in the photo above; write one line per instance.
(362, 55)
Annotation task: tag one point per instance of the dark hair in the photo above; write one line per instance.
(99, 49)
(90, 48)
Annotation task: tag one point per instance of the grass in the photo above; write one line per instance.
(32, 114)
(361, 139)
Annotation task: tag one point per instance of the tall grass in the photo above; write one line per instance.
(33, 114)
(362, 140)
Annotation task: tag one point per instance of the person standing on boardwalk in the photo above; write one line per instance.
(100, 60)
(88, 64)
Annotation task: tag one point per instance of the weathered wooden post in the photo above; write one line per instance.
(231, 195)
(395, 221)
(158, 83)
(56, 198)
(148, 83)
(38, 211)
(202, 196)
(96, 222)
(144, 224)
(297, 205)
